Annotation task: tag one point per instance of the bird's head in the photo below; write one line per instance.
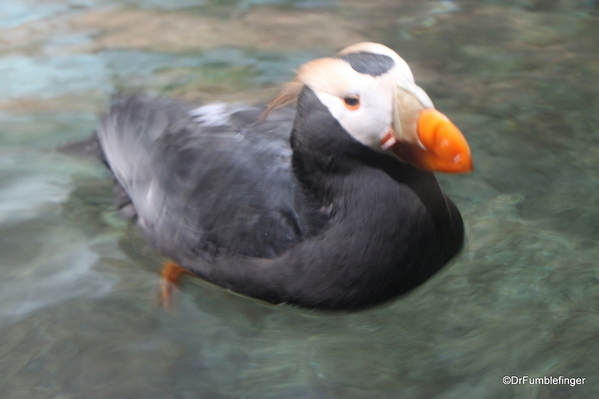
(371, 92)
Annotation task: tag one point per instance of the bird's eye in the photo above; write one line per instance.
(352, 102)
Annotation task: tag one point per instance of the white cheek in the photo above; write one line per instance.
(366, 124)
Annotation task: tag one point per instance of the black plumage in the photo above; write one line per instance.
(369, 63)
(291, 209)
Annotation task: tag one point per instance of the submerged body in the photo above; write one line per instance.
(291, 209)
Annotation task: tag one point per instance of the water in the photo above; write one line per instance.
(79, 316)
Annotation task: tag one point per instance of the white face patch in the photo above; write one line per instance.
(333, 79)
(380, 108)
(373, 117)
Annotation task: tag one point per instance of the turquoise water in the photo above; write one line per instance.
(79, 315)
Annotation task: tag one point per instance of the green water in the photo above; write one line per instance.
(79, 316)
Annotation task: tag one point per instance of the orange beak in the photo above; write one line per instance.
(445, 148)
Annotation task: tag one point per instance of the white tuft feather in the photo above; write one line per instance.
(217, 114)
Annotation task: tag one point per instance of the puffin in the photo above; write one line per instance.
(330, 203)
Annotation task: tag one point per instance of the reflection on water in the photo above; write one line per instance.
(78, 310)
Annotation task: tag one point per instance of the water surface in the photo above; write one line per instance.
(79, 316)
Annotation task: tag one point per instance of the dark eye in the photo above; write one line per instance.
(352, 102)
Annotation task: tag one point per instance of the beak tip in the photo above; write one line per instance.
(466, 164)
(447, 148)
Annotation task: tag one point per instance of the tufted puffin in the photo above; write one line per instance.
(331, 204)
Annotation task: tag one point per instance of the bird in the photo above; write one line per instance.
(330, 203)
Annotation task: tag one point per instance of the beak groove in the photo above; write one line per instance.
(440, 146)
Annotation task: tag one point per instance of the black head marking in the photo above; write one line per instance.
(369, 63)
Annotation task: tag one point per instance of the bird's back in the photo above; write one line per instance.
(212, 179)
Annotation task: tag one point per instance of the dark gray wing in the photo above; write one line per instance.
(209, 179)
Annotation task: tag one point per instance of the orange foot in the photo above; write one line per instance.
(171, 275)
